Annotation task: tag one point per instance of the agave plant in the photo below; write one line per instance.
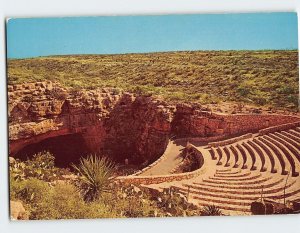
(95, 176)
(211, 210)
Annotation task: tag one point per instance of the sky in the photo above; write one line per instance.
(32, 37)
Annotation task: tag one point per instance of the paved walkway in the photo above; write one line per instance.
(171, 159)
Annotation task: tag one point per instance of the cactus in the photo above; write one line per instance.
(211, 210)
(95, 176)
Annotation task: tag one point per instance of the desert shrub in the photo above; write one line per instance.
(243, 91)
(40, 166)
(272, 72)
(190, 162)
(139, 90)
(259, 100)
(177, 96)
(287, 89)
(17, 170)
(292, 101)
(211, 210)
(65, 202)
(131, 201)
(146, 90)
(173, 203)
(59, 94)
(30, 190)
(127, 201)
(95, 176)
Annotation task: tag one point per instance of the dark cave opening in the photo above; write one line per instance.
(66, 149)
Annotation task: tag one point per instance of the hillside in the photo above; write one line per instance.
(261, 78)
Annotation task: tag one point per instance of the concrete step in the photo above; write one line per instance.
(222, 182)
(227, 171)
(232, 175)
(270, 189)
(252, 155)
(267, 183)
(259, 154)
(289, 135)
(295, 133)
(290, 153)
(267, 154)
(253, 177)
(283, 154)
(243, 203)
(289, 140)
(278, 155)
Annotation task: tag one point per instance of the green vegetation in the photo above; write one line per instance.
(95, 174)
(62, 195)
(61, 201)
(175, 204)
(262, 78)
(211, 210)
(190, 161)
(40, 166)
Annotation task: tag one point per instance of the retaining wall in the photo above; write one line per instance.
(279, 128)
(237, 124)
(229, 141)
(138, 180)
(146, 180)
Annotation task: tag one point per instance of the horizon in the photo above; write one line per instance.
(120, 35)
(137, 53)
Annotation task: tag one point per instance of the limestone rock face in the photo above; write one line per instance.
(116, 123)
(138, 127)
(119, 123)
(192, 121)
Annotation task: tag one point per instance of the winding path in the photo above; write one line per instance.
(169, 161)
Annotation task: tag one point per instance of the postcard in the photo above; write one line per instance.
(153, 116)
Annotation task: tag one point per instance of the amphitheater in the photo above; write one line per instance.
(241, 158)
(233, 172)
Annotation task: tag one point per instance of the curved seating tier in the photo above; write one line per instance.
(235, 190)
(267, 165)
(274, 152)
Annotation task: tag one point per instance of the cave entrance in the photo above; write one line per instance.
(66, 149)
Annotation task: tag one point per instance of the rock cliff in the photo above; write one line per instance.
(44, 115)
(108, 120)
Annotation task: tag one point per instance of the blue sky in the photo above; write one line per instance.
(31, 37)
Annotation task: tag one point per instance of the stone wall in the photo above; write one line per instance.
(191, 121)
(229, 141)
(138, 180)
(279, 128)
(238, 124)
